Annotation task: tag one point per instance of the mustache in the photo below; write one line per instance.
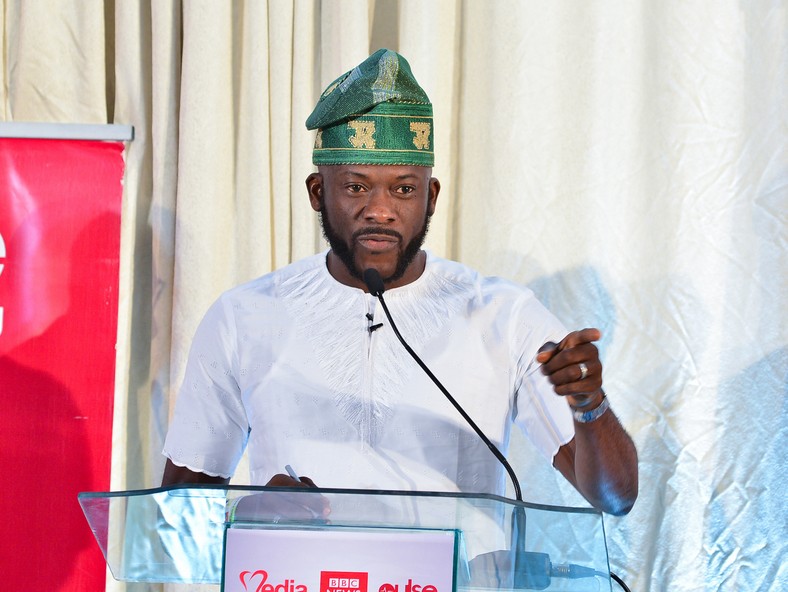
(376, 230)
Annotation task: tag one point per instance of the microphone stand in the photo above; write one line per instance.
(522, 568)
(530, 570)
(378, 293)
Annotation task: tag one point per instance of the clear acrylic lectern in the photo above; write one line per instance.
(177, 534)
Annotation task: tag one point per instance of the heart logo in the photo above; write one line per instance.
(248, 576)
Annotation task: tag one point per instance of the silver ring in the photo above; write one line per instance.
(583, 370)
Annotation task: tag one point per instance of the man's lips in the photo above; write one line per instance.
(377, 240)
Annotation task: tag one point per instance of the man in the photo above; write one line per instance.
(302, 365)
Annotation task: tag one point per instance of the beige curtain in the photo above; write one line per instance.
(626, 160)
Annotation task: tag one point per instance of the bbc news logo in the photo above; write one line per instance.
(343, 581)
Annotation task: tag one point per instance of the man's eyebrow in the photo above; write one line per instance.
(353, 174)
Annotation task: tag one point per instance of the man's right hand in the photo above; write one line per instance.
(273, 506)
(283, 506)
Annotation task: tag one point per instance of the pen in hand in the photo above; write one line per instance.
(295, 476)
(292, 473)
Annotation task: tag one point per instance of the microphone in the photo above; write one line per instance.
(372, 328)
(529, 569)
(375, 286)
(374, 282)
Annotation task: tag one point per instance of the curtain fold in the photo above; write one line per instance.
(38, 35)
(627, 161)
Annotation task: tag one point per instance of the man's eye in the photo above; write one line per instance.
(355, 188)
(406, 189)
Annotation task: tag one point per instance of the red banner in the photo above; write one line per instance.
(60, 206)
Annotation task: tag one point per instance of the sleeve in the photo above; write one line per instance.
(209, 427)
(544, 416)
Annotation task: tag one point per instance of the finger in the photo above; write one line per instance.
(317, 505)
(547, 351)
(282, 480)
(579, 387)
(307, 481)
(576, 338)
(283, 505)
(586, 353)
(572, 374)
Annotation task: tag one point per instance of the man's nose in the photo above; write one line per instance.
(379, 207)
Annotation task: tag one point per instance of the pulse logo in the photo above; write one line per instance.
(409, 587)
(343, 581)
(256, 581)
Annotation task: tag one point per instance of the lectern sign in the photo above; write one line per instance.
(343, 581)
(338, 560)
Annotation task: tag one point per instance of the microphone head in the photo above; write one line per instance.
(374, 282)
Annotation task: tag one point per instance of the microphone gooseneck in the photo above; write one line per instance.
(375, 286)
(530, 570)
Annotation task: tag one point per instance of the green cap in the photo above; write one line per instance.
(375, 114)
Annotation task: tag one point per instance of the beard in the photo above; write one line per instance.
(344, 250)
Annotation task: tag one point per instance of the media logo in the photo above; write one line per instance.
(409, 587)
(256, 581)
(343, 581)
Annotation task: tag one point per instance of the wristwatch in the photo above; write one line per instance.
(592, 414)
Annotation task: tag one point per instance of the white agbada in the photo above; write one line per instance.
(287, 364)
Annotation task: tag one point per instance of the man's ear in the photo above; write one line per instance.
(432, 197)
(314, 187)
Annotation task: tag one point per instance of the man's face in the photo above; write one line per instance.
(374, 216)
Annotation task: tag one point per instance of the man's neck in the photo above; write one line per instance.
(340, 272)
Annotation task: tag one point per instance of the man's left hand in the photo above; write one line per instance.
(601, 459)
(573, 367)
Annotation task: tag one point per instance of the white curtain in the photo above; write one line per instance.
(626, 160)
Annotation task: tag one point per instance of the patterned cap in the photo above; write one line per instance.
(375, 114)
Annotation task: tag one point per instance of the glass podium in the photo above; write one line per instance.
(177, 534)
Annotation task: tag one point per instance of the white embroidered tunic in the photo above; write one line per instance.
(287, 364)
